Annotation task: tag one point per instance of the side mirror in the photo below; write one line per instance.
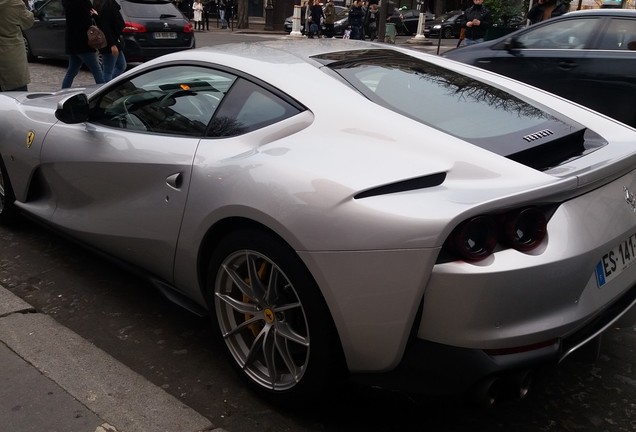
(512, 45)
(73, 109)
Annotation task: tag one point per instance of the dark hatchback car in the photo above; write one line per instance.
(448, 25)
(406, 21)
(586, 56)
(153, 28)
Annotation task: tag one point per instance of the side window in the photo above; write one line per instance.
(177, 100)
(52, 9)
(248, 107)
(620, 35)
(563, 34)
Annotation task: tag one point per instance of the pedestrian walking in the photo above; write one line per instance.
(14, 68)
(112, 24)
(197, 7)
(80, 15)
(330, 17)
(316, 15)
(477, 21)
(221, 8)
(356, 15)
(371, 21)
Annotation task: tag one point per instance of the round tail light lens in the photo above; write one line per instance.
(526, 229)
(475, 239)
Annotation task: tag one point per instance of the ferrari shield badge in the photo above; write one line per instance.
(30, 138)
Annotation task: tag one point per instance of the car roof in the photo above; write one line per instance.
(602, 12)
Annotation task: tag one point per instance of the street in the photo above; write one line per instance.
(124, 316)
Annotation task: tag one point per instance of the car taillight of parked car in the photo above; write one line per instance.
(132, 27)
(476, 238)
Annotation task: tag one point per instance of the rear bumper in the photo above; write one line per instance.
(431, 368)
(135, 52)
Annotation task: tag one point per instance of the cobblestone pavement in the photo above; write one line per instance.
(47, 75)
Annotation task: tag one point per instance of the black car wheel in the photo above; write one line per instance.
(448, 33)
(30, 57)
(273, 319)
(8, 210)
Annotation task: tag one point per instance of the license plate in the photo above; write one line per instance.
(616, 261)
(165, 35)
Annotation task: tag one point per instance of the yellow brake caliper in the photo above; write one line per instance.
(269, 317)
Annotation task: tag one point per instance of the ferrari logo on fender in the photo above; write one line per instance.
(30, 138)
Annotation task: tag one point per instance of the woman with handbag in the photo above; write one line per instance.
(80, 15)
(112, 24)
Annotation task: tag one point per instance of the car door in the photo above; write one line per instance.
(546, 55)
(46, 38)
(607, 75)
(120, 181)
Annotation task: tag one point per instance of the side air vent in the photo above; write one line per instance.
(538, 135)
(404, 186)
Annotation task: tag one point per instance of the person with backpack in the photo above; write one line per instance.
(112, 24)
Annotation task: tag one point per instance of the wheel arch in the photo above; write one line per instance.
(232, 224)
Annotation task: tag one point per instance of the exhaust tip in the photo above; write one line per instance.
(493, 390)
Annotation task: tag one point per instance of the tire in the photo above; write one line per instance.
(278, 331)
(8, 210)
(448, 33)
(29, 53)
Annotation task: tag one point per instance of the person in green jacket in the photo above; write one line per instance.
(14, 68)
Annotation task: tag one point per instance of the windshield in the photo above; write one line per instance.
(475, 111)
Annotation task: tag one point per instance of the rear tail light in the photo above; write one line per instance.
(477, 238)
(133, 27)
(474, 239)
(188, 28)
(526, 229)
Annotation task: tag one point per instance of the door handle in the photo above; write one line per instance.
(567, 65)
(175, 181)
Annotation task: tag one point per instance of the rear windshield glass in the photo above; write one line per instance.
(436, 96)
(150, 9)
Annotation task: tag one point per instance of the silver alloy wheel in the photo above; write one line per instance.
(262, 320)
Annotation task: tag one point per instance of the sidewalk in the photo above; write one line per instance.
(55, 381)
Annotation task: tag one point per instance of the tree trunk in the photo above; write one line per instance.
(242, 21)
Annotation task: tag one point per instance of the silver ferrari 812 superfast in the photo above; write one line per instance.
(344, 210)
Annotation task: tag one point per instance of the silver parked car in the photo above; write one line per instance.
(478, 229)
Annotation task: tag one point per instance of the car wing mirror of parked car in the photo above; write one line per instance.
(512, 45)
(72, 109)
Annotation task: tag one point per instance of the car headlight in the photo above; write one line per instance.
(437, 27)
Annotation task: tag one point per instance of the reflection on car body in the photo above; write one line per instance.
(326, 247)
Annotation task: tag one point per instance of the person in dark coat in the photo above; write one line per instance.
(545, 9)
(356, 15)
(316, 15)
(112, 24)
(79, 17)
(477, 20)
(229, 11)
